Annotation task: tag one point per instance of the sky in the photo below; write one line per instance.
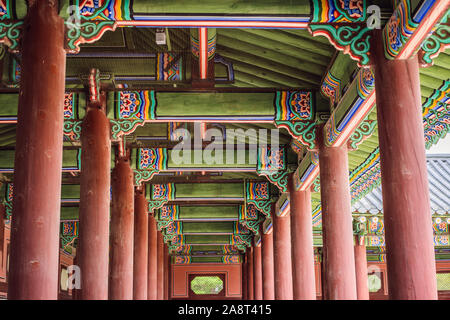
(442, 147)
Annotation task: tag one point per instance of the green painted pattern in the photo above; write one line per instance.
(208, 212)
(208, 227)
(209, 190)
(214, 104)
(200, 239)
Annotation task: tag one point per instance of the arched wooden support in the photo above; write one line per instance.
(301, 131)
(362, 132)
(436, 43)
(279, 179)
(352, 39)
(150, 161)
(295, 111)
(11, 34)
(257, 194)
(271, 163)
(160, 194)
(121, 127)
(253, 225)
(344, 26)
(86, 32)
(72, 129)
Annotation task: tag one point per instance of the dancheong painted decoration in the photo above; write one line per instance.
(235, 150)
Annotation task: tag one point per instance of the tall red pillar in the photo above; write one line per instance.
(303, 273)
(38, 157)
(339, 269)
(95, 180)
(257, 273)
(410, 255)
(140, 265)
(166, 272)
(362, 288)
(160, 267)
(282, 257)
(250, 276)
(244, 277)
(267, 266)
(152, 291)
(122, 220)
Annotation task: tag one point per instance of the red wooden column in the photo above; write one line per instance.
(152, 293)
(257, 273)
(267, 266)
(250, 276)
(282, 257)
(38, 157)
(160, 267)
(303, 274)
(140, 265)
(122, 220)
(406, 204)
(339, 269)
(166, 272)
(244, 278)
(362, 288)
(95, 180)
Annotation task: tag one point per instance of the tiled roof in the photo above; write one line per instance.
(439, 186)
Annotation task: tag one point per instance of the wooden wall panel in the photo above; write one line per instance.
(180, 276)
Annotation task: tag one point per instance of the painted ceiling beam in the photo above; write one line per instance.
(228, 13)
(307, 171)
(409, 27)
(352, 109)
(162, 106)
(71, 161)
(224, 259)
(255, 193)
(110, 14)
(337, 78)
(194, 213)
